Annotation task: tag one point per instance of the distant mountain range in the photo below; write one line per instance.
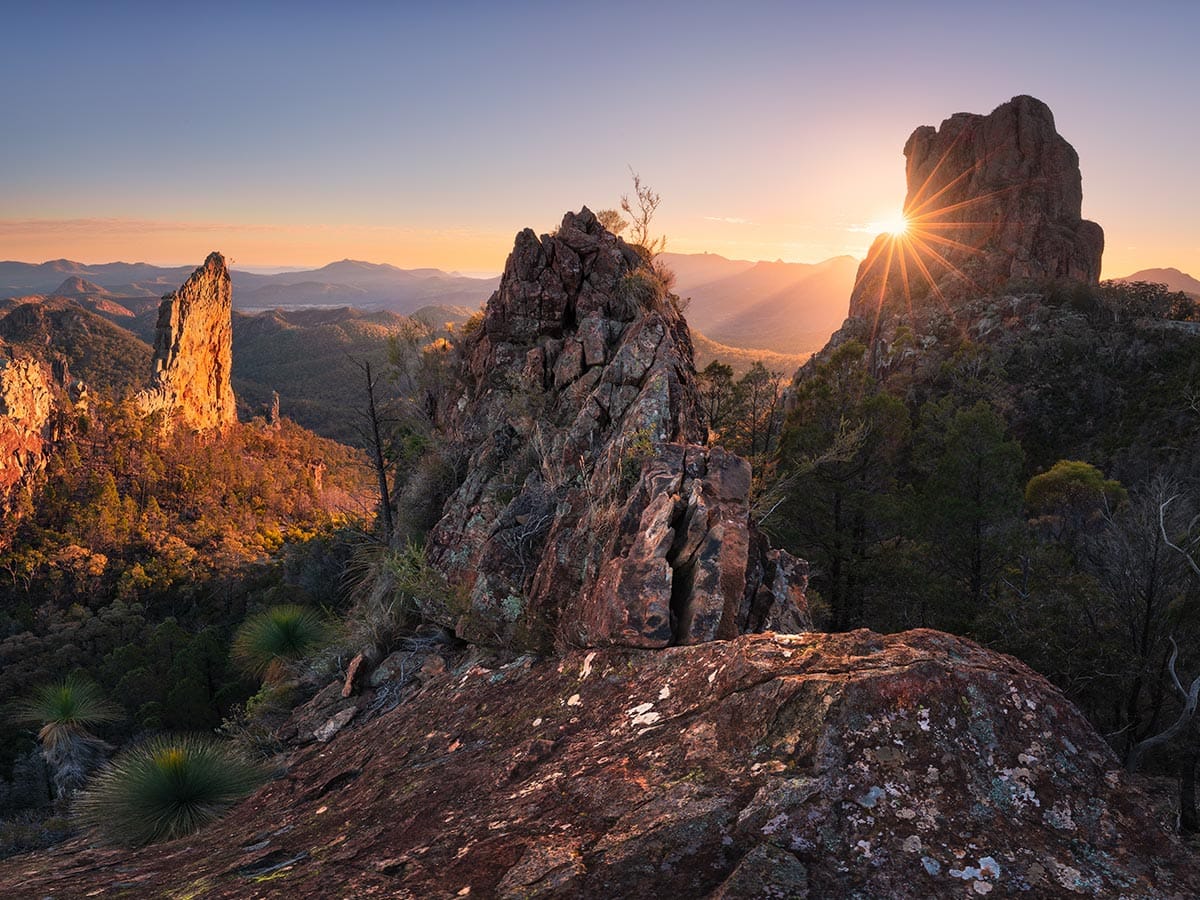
(1172, 278)
(789, 308)
(784, 308)
(346, 283)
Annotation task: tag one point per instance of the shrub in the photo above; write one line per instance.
(166, 788)
(269, 639)
(65, 710)
(641, 289)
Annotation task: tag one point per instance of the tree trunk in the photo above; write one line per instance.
(1189, 822)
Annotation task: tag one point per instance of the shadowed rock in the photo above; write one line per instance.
(990, 199)
(590, 513)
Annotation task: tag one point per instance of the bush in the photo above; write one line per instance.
(66, 709)
(166, 788)
(269, 639)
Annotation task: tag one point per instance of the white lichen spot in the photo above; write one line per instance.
(982, 887)
(907, 814)
(643, 714)
(587, 666)
(989, 867)
(574, 700)
(865, 847)
(923, 719)
(912, 844)
(537, 721)
(932, 866)
(665, 692)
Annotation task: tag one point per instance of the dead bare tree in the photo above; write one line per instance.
(641, 211)
(1190, 697)
(372, 430)
(1192, 544)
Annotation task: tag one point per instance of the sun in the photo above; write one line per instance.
(895, 225)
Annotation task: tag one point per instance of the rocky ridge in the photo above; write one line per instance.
(193, 352)
(915, 765)
(591, 513)
(29, 425)
(989, 199)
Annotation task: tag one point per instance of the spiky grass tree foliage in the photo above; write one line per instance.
(268, 640)
(165, 788)
(66, 710)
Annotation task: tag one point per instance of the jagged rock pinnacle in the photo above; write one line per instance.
(591, 514)
(193, 352)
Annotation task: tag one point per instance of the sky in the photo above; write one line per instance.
(428, 134)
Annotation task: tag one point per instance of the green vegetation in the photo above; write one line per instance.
(165, 788)
(268, 640)
(1024, 490)
(143, 554)
(66, 710)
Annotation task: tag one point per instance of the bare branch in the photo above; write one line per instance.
(1162, 524)
(1191, 697)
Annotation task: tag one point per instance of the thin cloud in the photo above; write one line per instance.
(728, 220)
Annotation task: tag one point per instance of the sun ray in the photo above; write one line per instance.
(917, 203)
(955, 270)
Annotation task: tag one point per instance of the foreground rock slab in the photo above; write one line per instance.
(856, 765)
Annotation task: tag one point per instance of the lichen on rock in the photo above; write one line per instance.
(591, 513)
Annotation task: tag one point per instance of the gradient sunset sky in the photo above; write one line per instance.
(427, 134)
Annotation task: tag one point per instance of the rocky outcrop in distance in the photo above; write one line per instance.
(591, 513)
(990, 199)
(915, 765)
(193, 352)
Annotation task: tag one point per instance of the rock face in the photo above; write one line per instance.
(990, 199)
(915, 765)
(28, 426)
(591, 514)
(193, 352)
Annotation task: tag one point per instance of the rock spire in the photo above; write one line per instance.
(591, 513)
(193, 352)
(990, 199)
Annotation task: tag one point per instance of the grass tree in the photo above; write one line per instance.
(267, 641)
(166, 788)
(65, 713)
